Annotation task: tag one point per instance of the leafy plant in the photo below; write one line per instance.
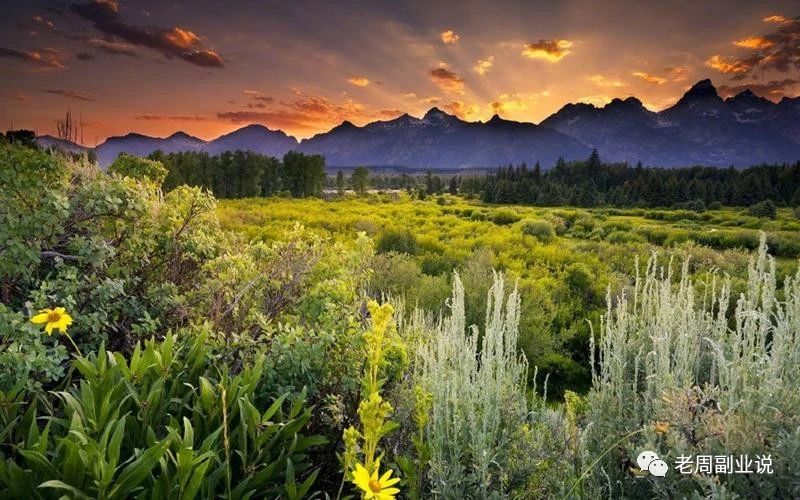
(167, 422)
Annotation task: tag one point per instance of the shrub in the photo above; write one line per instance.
(679, 376)
(138, 168)
(397, 240)
(477, 390)
(539, 229)
(111, 246)
(578, 278)
(504, 217)
(764, 208)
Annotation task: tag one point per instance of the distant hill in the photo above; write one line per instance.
(700, 129)
(48, 141)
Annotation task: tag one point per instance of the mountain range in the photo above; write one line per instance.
(700, 129)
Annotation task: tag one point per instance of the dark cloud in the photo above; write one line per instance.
(778, 51)
(447, 80)
(773, 90)
(38, 23)
(170, 42)
(43, 58)
(84, 56)
(72, 94)
(111, 47)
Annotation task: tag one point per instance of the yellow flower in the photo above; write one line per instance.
(372, 486)
(661, 427)
(55, 319)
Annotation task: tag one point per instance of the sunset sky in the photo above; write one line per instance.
(208, 66)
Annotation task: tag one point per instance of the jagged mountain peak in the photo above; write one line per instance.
(702, 88)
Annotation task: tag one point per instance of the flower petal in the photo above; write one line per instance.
(40, 318)
(361, 478)
(48, 328)
(385, 483)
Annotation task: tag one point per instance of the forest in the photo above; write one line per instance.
(194, 326)
(589, 183)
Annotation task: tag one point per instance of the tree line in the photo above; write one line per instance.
(593, 183)
(243, 174)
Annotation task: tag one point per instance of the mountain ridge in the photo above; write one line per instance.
(701, 128)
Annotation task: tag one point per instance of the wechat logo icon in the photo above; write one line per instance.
(649, 461)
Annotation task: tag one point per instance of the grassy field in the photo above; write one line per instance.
(563, 259)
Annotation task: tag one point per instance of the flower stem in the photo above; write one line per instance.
(74, 345)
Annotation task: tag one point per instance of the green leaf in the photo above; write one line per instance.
(60, 485)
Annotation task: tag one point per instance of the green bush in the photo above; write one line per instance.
(539, 229)
(504, 217)
(397, 240)
(764, 208)
(138, 168)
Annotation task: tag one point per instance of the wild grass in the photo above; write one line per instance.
(477, 381)
(718, 373)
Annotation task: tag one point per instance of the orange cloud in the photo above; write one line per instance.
(182, 38)
(305, 115)
(507, 103)
(603, 82)
(447, 80)
(730, 66)
(482, 66)
(358, 81)
(462, 109)
(549, 50)
(390, 113)
(649, 78)
(677, 73)
(754, 42)
(450, 36)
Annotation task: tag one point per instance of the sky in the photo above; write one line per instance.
(208, 67)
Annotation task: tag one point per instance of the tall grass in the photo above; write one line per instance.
(477, 381)
(722, 376)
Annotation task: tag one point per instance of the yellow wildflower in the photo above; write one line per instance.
(661, 427)
(372, 485)
(54, 319)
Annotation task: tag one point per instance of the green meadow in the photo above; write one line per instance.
(158, 342)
